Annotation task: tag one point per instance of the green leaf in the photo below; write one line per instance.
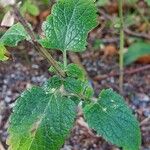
(46, 2)
(68, 25)
(135, 51)
(14, 35)
(113, 120)
(148, 2)
(41, 120)
(3, 52)
(72, 85)
(78, 87)
(32, 9)
(131, 1)
(102, 2)
(54, 82)
(89, 92)
(75, 71)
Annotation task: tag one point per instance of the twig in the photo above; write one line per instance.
(110, 40)
(127, 72)
(145, 121)
(36, 45)
(139, 35)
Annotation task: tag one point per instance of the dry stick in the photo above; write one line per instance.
(36, 45)
(139, 35)
(121, 51)
(127, 72)
(146, 120)
(142, 15)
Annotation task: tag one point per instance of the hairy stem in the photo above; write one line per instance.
(65, 59)
(121, 52)
(36, 45)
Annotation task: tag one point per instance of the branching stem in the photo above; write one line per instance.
(36, 45)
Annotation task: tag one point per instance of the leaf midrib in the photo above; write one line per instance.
(41, 119)
(112, 120)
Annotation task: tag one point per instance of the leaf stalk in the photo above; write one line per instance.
(65, 59)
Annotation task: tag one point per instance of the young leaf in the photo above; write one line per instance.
(135, 51)
(113, 120)
(68, 25)
(72, 85)
(75, 71)
(54, 82)
(40, 120)
(14, 35)
(3, 51)
(77, 86)
(89, 92)
(33, 9)
(30, 8)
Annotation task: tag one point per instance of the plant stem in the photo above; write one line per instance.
(121, 52)
(36, 45)
(65, 59)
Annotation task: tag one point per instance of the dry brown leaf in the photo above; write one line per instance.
(31, 19)
(43, 15)
(112, 8)
(144, 59)
(142, 27)
(8, 19)
(110, 50)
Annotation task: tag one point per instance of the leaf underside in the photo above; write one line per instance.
(113, 120)
(40, 121)
(68, 25)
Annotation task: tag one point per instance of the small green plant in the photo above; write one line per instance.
(29, 7)
(43, 116)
